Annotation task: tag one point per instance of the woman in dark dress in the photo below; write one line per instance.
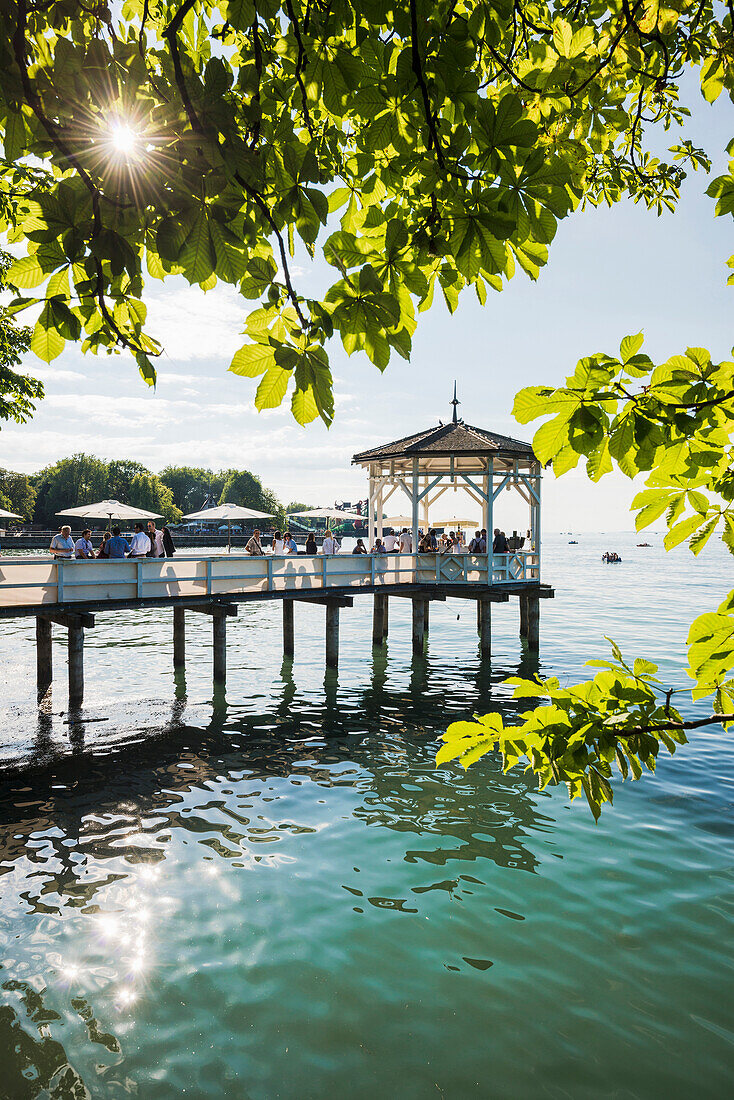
(311, 547)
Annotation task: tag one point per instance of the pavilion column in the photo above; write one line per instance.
(415, 487)
(489, 513)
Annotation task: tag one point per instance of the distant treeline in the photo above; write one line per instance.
(172, 493)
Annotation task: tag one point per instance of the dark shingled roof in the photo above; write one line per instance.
(456, 438)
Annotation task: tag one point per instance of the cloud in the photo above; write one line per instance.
(193, 325)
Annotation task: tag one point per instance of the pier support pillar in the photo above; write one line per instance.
(76, 665)
(426, 605)
(219, 638)
(533, 623)
(332, 633)
(44, 662)
(288, 631)
(418, 624)
(385, 616)
(484, 611)
(523, 601)
(179, 637)
(378, 617)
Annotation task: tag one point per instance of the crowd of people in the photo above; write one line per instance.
(430, 542)
(152, 542)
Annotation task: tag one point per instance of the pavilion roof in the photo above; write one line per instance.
(455, 438)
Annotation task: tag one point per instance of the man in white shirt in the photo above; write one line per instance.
(390, 541)
(406, 542)
(62, 545)
(329, 545)
(83, 547)
(139, 543)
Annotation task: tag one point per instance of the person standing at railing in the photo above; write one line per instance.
(483, 549)
(253, 547)
(311, 547)
(168, 548)
(139, 543)
(390, 541)
(359, 548)
(329, 545)
(499, 546)
(83, 547)
(475, 546)
(156, 541)
(291, 546)
(62, 545)
(103, 551)
(406, 541)
(278, 545)
(117, 547)
(379, 547)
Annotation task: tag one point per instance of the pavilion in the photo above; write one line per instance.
(456, 455)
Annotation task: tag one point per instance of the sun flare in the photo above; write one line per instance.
(124, 139)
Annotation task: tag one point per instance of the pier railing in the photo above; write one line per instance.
(31, 582)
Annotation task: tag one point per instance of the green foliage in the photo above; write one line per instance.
(246, 489)
(419, 146)
(17, 494)
(584, 733)
(82, 479)
(191, 485)
(674, 424)
(18, 392)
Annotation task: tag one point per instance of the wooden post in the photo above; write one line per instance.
(76, 665)
(479, 616)
(219, 637)
(385, 616)
(418, 624)
(44, 662)
(533, 623)
(426, 605)
(288, 632)
(378, 617)
(179, 637)
(485, 627)
(523, 600)
(332, 634)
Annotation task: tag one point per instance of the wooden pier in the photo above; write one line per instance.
(424, 466)
(67, 594)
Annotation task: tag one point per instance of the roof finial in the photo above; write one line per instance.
(455, 402)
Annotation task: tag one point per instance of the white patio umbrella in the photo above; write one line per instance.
(109, 510)
(397, 521)
(228, 512)
(4, 514)
(456, 521)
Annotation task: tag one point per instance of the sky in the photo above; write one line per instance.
(610, 272)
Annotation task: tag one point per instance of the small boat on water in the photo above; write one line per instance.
(573, 542)
(611, 558)
(644, 544)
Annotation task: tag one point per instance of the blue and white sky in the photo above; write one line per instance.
(611, 272)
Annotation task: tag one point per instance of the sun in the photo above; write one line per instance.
(124, 139)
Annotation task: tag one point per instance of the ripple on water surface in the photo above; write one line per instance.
(273, 891)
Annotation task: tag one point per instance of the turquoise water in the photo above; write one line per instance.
(272, 892)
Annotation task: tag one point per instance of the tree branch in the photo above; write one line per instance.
(170, 34)
(299, 64)
(433, 142)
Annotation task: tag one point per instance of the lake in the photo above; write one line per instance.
(271, 891)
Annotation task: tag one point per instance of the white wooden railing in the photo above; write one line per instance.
(31, 582)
